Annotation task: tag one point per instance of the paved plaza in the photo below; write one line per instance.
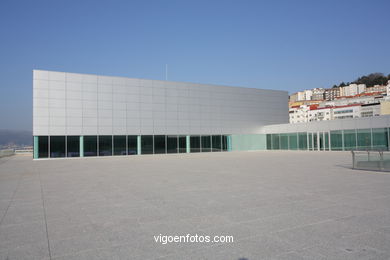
(276, 205)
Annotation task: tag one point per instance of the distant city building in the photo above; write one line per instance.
(318, 94)
(332, 93)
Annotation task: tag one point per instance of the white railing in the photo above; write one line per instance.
(371, 160)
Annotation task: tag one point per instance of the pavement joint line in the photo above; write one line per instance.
(11, 200)
(44, 214)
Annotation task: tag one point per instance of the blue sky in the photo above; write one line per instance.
(286, 45)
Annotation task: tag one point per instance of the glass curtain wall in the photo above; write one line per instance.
(216, 143)
(293, 141)
(172, 144)
(224, 143)
(379, 139)
(57, 146)
(105, 145)
(283, 141)
(195, 144)
(349, 139)
(73, 146)
(159, 144)
(206, 143)
(120, 145)
(326, 145)
(147, 144)
(90, 145)
(336, 140)
(269, 141)
(182, 144)
(43, 146)
(302, 141)
(310, 136)
(275, 142)
(132, 147)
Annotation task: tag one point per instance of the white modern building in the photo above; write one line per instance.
(77, 115)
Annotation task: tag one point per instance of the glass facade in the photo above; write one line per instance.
(195, 144)
(172, 144)
(206, 143)
(73, 146)
(302, 141)
(43, 146)
(108, 145)
(57, 146)
(159, 144)
(147, 144)
(90, 146)
(120, 145)
(337, 140)
(132, 147)
(105, 145)
(216, 143)
(182, 144)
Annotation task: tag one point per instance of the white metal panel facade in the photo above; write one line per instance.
(84, 104)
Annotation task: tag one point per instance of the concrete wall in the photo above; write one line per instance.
(80, 104)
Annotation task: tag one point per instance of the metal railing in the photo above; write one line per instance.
(378, 160)
(6, 152)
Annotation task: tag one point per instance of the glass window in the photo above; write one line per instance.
(182, 144)
(43, 146)
(336, 140)
(326, 141)
(310, 136)
(379, 139)
(302, 141)
(363, 139)
(206, 143)
(147, 144)
(172, 144)
(321, 141)
(132, 147)
(315, 145)
(90, 145)
(349, 139)
(269, 141)
(57, 146)
(105, 145)
(73, 146)
(224, 143)
(284, 141)
(293, 141)
(159, 144)
(120, 145)
(216, 145)
(275, 142)
(195, 144)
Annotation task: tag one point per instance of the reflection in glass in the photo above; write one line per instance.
(73, 146)
(159, 144)
(132, 144)
(57, 146)
(172, 145)
(90, 145)
(120, 145)
(105, 145)
(43, 146)
(216, 143)
(147, 144)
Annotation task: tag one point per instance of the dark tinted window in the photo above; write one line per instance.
(206, 143)
(90, 145)
(105, 145)
(57, 146)
(73, 146)
(120, 145)
(172, 144)
(224, 143)
(147, 144)
(195, 144)
(159, 144)
(132, 144)
(43, 146)
(182, 144)
(217, 146)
